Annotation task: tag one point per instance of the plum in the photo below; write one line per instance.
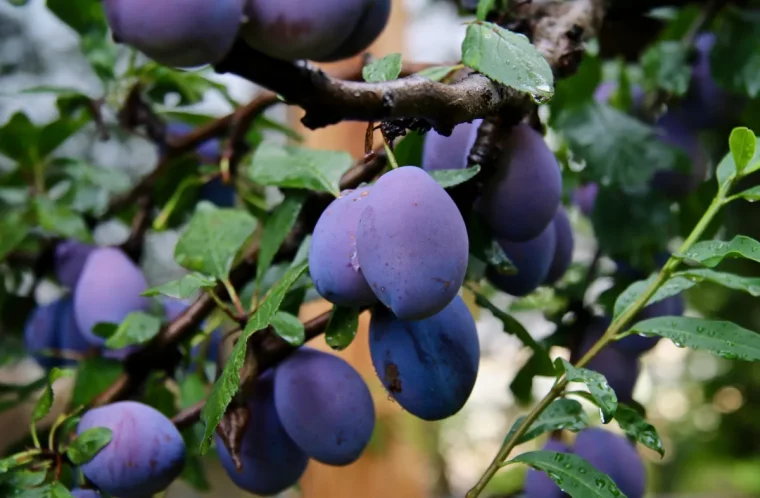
(563, 250)
(333, 262)
(621, 369)
(107, 291)
(412, 244)
(324, 405)
(215, 191)
(605, 92)
(638, 344)
(370, 25)
(177, 33)
(585, 197)
(272, 462)
(615, 456)
(53, 328)
(144, 456)
(84, 493)
(428, 366)
(70, 337)
(532, 260)
(209, 151)
(286, 30)
(525, 193)
(69, 259)
(537, 483)
(440, 152)
(674, 129)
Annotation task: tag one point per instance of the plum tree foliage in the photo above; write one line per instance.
(535, 171)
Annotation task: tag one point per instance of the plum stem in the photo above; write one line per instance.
(612, 334)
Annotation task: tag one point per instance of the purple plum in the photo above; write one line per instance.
(563, 250)
(52, 328)
(84, 493)
(621, 369)
(533, 259)
(615, 456)
(70, 257)
(638, 344)
(440, 152)
(370, 25)
(540, 485)
(585, 197)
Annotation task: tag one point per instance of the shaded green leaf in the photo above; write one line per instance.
(183, 288)
(603, 394)
(14, 230)
(229, 381)
(734, 63)
(45, 401)
(725, 339)
(750, 285)
(710, 253)
(508, 58)
(94, 375)
(212, 239)
(436, 74)
(634, 425)
(276, 229)
(289, 327)
(61, 220)
(88, 444)
(752, 194)
(342, 327)
(137, 328)
(450, 177)
(386, 69)
(666, 67)
(484, 7)
(673, 286)
(742, 143)
(561, 414)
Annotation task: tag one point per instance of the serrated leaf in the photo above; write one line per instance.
(229, 381)
(666, 66)
(725, 339)
(45, 402)
(212, 239)
(436, 74)
(597, 384)
(386, 69)
(14, 230)
(673, 286)
(710, 253)
(750, 285)
(88, 444)
(94, 375)
(484, 7)
(183, 288)
(742, 143)
(276, 229)
(574, 475)
(634, 425)
(342, 327)
(299, 167)
(508, 58)
(61, 220)
(513, 327)
(289, 327)
(561, 414)
(137, 328)
(450, 177)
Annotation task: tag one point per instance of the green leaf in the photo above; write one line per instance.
(574, 475)
(183, 288)
(88, 444)
(18, 140)
(561, 414)
(726, 169)
(725, 339)
(14, 230)
(750, 285)
(437, 73)
(451, 177)
(61, 220)
(513, 327)
(710, 253)
(603, 394)
(81, 15)
(618, 149)
(734, 63)
(276, 229)
(45, 402)
(673, 286)
(508, 58)
(742, 143)
(666, 67)
(634, 425)
(94, 375)
(289, 327)
(484, 7)
(229, 381)
(342, 327)
(386, 69)
(137, 328)
(212, 240)
(752, 194)
(192, 390)
(299, 167)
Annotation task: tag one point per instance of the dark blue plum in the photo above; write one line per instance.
(333, 262)
(108, 290)
(585, 197)
(144, 456)
(84, 493)
(369, 27)
(324, 405)
(615, 456)
(525, 193)
(440, 152)
(637, 344)
(621, 369)
(271, 461)
(604, 93)
(70, 337)
(537, 483)
(675, 130)
(70, 257)
(532, 260)
(209, 151)
(429, 366)
(564, 246)
(412, 244)
(217, 192)
(177, 33)
(53, 328)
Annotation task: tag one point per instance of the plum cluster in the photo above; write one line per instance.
(521, 203)
(314, 405)
(202, 32)
(607, 452)
(401, 245)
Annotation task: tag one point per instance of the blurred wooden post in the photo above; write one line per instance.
(395, 466)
